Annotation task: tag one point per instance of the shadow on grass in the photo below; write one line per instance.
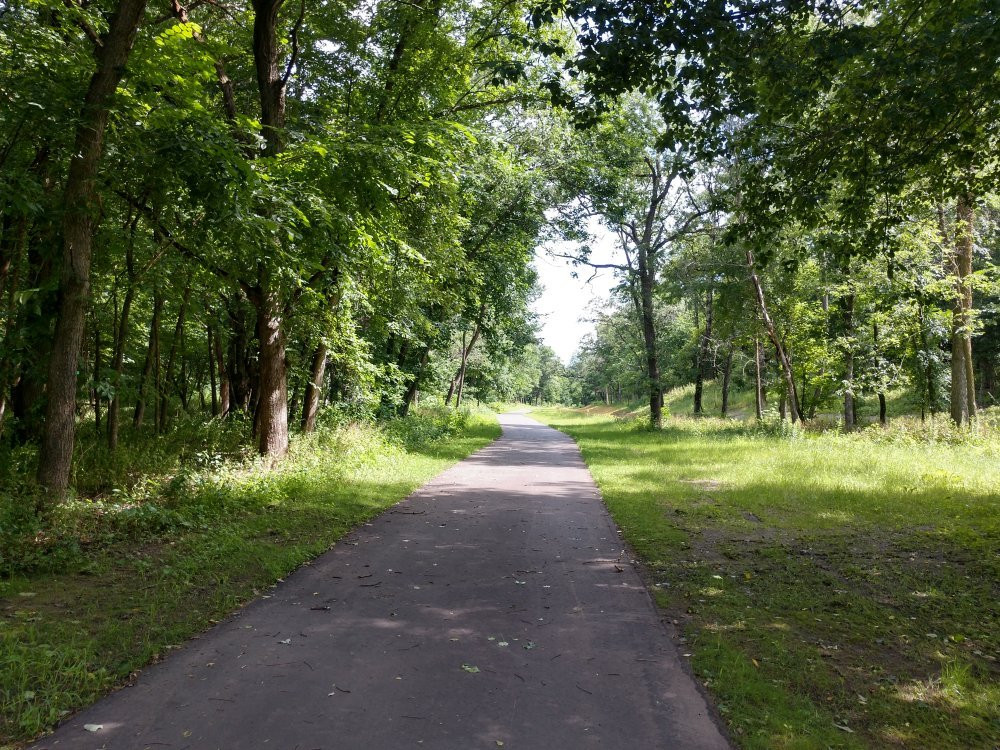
(146, 581)
(835, 592)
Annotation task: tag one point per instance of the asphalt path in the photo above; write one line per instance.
(494, 607)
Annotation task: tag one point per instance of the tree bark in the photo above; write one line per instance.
(238, 365)
(97, 377)
(963, 386)
(168, 374)
(211, 370)
(649, 340)
(310, 403)
(12, 242)
(271, 418)
(152, 355)
(464, 355)
(882, 413)
(847, 309)
(930, 376)
(272, 404)
(703, 347)
(79, 203)
(783, 360)
(270, 83)
(223, 378)
(726, 373)
(411, 391)
(117, 365)
(12, 245)
(758, 383)
(466, 351)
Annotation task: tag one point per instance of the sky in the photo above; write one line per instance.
(566, 306)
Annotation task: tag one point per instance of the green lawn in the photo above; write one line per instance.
(833, 591)
(142, 577)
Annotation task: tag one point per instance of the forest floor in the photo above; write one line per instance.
(125, 576)
(835, 591)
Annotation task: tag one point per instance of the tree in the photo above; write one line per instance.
(638, 193)
(79, 207)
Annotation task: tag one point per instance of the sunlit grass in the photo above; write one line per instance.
(835, 590)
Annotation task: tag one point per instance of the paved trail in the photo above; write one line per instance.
(493, 608)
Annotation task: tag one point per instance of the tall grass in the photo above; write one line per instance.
(834, 590)
(118, 577)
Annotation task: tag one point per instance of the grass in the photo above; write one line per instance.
(835, 591)
(123, 578)
(900, 402)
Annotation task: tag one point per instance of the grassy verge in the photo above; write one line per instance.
(835, 591)
(132, 575)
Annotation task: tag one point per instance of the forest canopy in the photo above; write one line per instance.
(263, 211)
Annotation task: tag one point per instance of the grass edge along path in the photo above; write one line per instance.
(834, 591)
(212, 545)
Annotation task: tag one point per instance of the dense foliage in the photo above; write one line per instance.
(252, 210)
(831, 230)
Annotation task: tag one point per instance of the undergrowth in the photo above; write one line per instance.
(118, 576)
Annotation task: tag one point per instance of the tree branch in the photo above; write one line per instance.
(295, 43)
(580, 261)
(183, 249)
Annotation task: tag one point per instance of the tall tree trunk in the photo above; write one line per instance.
(152, 356)
(272, 405)
(33, 323)
(271, 419)
(97, 378)
(117, 365)
(238, 365)
(814, 402)
(12, 237)
(12, 245)
(223, 377)
(930, 376)
(458, 380)
(466, 351)
(181, 384)
(79, 206)
(847, 309)
(726, 373)
(211, 370)
(411, 391)
(758, 381)
(703, 347)
(168, 374)
(157, 385)
(882, 414)
(783, 360)
(314, 388)
(963, 400)
(310, 404)
(646, 274)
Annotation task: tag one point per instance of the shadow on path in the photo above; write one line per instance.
(492, 608)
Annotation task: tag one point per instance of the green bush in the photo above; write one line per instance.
(426, 426)
(194, 477)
